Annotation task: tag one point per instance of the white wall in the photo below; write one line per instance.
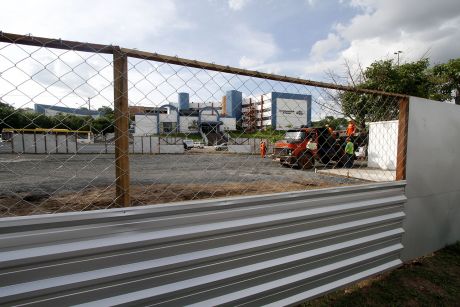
(382, 149)
(145, 124)
(187, 123)
(433, 177)
(208, 117)
(146, 144)
(170, 117)
(290, 113)
(229, 123)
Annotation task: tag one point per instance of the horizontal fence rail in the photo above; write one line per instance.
(277, 249)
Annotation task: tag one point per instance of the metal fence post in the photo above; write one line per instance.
(402, 139)
(120, 78)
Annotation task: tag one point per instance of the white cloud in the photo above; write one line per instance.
(381, 27)
(322, 48)
(95, 21)
(255, 47)
(237, 5)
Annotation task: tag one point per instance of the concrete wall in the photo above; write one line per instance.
(145, 124)
(433, 177)
(240, 148)
(208, 117)
(145, 145)
(188, 124)
(229, 123)
(382, 149)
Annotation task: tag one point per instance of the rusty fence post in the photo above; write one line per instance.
(403, 126)
(120, 79)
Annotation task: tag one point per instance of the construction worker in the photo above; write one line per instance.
(263, 149)
(349, 152)
(351, 128)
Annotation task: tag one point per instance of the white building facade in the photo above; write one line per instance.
(280, 111)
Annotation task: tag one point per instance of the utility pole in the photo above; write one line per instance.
(397, 53)
(89, 103)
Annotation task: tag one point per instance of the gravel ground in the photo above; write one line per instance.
(26, 179)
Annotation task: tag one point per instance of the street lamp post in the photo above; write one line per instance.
(397, 53)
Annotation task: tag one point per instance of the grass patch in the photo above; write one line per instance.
(429, 281)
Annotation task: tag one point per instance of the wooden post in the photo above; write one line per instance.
(403, 126)
(120, 82)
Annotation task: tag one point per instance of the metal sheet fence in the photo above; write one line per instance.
(274, 250)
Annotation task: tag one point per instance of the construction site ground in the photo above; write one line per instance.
(37, 184)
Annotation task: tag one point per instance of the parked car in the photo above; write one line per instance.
(198, 144)
(188, 144)
(221, 147)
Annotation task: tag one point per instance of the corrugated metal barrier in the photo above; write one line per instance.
(277, 249)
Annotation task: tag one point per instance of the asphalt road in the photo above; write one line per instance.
(63, 173)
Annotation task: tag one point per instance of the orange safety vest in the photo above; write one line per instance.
(350, 129)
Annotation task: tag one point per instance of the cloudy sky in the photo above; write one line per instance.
(295, 37)
(301, 38)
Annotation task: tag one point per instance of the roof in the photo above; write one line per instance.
(40, 108)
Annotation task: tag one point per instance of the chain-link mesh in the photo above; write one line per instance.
(192, 131)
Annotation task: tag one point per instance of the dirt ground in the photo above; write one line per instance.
(24, 203)
(37, 184)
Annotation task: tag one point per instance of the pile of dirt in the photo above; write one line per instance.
(104, 198)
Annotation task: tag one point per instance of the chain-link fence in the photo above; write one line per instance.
(88, 126)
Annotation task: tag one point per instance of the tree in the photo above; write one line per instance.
(7, 117)
(447, 81)
(414, 79)
(102, 125)
(338, 123)
(106, 111)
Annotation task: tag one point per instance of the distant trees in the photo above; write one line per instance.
(17, 118)
(339, 123)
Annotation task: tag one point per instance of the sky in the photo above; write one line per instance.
(300, 38)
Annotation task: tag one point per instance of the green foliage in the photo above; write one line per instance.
(447, 81)
(106, 111)
(339, 123)
(410, 78)
(16, 118)
(102, 125)
(414, 79)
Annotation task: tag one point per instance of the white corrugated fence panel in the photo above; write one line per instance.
(275, 249)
